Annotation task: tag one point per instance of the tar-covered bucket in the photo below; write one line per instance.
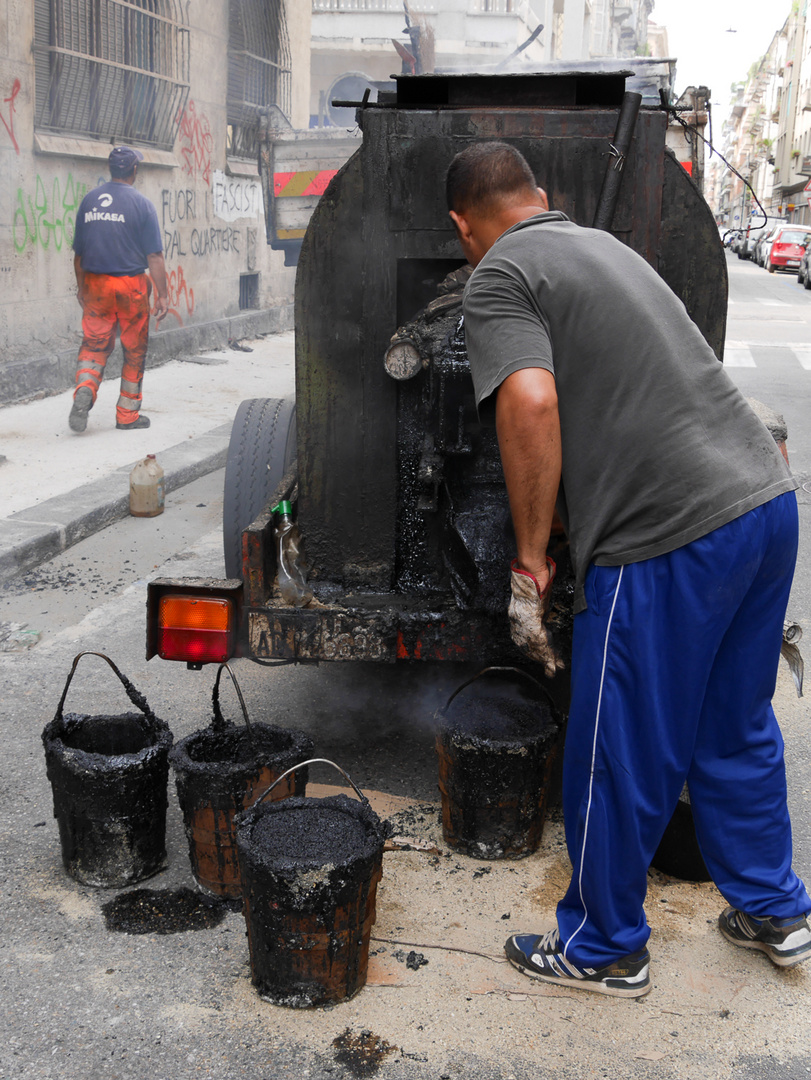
(220, 771)
(108, 775)
(496, 750)
(310, 869)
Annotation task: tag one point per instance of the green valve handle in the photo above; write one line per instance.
(284, 507)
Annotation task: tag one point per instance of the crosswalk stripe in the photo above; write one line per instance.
(738, 356)
(739, 353)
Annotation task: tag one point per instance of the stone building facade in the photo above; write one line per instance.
(183, 81)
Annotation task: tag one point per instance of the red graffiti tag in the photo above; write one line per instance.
(176, 282)
(196, 142)
(11, 101)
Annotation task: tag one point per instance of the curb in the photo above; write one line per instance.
(33, 536)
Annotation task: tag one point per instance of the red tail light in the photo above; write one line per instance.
(197, 629)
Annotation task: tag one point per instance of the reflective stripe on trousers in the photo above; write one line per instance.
(111, 302)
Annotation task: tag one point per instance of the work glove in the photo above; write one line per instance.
(528, 608)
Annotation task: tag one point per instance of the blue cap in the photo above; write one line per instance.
(123, 159)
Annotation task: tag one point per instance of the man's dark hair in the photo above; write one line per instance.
(117, 174)
(486, 173)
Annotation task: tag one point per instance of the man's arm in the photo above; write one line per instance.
(79, 272)
(528, 428)
(157, 271)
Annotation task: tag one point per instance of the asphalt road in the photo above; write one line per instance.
(83, 1003)
(768, 354)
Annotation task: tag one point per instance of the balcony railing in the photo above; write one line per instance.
(419, 7)
(496, 7)
(396, 6)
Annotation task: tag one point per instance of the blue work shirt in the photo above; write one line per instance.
(116, 229)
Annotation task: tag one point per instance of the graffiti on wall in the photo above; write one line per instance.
(195, 142)
(214, 241)
(181, 296)
(179, 209)
(11, 102)
(38, 219)
(234, 198)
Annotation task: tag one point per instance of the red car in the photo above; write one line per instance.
(787, 249)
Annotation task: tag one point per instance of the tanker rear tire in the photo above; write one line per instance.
(261, 450)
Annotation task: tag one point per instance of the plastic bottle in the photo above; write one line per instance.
(290, 565)
(146, 488)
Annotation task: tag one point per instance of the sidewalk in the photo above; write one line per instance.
(57, 487)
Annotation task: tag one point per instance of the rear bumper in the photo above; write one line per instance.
(784, 262)
(382, 628)
(385, 627)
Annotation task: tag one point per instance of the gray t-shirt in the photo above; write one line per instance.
(659, 446)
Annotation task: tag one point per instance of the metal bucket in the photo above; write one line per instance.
(108, 775)
(495, 761)
(310, 869)
(221, 771)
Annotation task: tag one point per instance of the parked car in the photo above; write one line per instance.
(745, 246)
(761, 227)
(764, 246)
(804, 271)
(746, 243)
(787, 248)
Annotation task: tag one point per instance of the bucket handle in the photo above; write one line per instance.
(135, 697)
(219, 723)
(314, 761)
(496, 667)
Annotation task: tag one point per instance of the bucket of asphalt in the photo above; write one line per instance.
(496, 749)
(109, 775)
(222, 770)
(310, 869)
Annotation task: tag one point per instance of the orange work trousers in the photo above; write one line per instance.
(111, 302)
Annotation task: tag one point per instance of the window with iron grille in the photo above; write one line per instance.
(116, 70)
(259, 70)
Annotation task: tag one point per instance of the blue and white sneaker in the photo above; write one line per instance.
(786, 942)
(542, 958)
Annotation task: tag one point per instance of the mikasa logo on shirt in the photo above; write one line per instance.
(97, 215)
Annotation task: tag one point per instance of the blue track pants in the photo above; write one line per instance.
(673, 671)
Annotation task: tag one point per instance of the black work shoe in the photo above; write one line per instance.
(140, 422)
(82, 404)
(786, 942)
(542, 958)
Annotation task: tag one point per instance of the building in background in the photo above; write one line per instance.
(360, 44)
(767, 134)
(685, 135)
(183, 82)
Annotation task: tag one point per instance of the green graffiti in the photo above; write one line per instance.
(38, 220)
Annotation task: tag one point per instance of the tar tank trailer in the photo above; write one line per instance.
(397, 489)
